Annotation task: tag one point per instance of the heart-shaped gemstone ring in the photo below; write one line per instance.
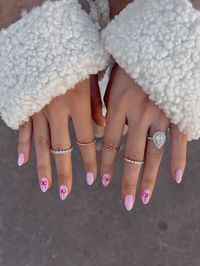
(159, 139)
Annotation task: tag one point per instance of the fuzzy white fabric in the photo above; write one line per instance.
(157, 42)
(44, 54)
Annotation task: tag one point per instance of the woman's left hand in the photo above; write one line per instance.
(129, 103)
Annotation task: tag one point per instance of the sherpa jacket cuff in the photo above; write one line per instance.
(157, 42)
(44, 54)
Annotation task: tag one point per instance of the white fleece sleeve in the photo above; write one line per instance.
(157, 42)
(44, 54)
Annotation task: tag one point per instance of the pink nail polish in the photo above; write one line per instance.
(63, 191)
(44, 184)
(106, 180)
(90, 178)
(21, 159)
(146, 195)
(128, 202)
(179, 176)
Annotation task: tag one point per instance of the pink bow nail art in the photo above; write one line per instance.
(146, 196)
(44, 184)
(106, 180)
(63, 192)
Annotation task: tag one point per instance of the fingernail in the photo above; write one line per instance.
(44, 184)
(21, 159)
(146, 195)
(90, 178)
(128, 202)
(63, 191)
(179, 176)
(106, 180)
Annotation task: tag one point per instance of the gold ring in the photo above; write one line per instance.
(61, 152)
(86, 143)
(108, 147)
(128, 160)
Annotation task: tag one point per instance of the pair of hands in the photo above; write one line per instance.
(126, 103)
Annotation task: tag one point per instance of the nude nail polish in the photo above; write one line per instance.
(106, 180)
(63, 191)
(90, 178)
(44, 184)
(128, 202)
(21, 159)
(178, 176)
(146, 195)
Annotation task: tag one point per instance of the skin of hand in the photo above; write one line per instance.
(127, 102)
(49, 128)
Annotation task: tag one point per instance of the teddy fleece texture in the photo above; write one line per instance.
(44, 54)
(157, 42)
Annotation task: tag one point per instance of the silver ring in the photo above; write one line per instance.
(61, 152)
(133, 161)
(159, 139)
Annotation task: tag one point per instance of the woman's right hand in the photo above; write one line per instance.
(50, 130)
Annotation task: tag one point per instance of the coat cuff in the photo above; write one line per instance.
(45, 53)
(157, 42)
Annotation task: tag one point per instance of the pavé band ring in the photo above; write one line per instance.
(128, 160)
(61, 152)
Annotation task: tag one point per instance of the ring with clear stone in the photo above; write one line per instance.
(61, 152)
(159, 139)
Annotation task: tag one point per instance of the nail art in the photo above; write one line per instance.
(90, 178)
(21, 159)
(128, 202)
(179, 176)
(106, 180)
(146, 195)
(44, 184)
(63, 191)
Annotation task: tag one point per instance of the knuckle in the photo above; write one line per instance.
(179, 137)
(134, 154)
(24, 142)
(129, 187)
(41, 141)
(42, 169)
(63, 176)
(154, 153)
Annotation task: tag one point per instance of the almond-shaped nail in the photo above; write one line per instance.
(63, 191)
(44, 184)
(106, 180)
(178, 176)
(21, 159)
(146, 195)
(128, 202)
(90, 178)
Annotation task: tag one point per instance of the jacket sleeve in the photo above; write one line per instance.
(45, 53)
(157, 42)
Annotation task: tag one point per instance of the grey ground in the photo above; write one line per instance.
(92, 228)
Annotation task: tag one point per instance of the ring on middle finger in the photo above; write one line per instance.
(110, 147)
(159, 139)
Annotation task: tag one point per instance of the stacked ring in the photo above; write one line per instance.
(61, 152)
(128, 160)
(108, 147)
(86, 143)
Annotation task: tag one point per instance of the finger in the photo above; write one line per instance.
(82, 120)
(153, 157)
(25, 140)
(113, 131)
(135, 148)
(179, 153)
(60, 140)
(96, 102)
(42, 148)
